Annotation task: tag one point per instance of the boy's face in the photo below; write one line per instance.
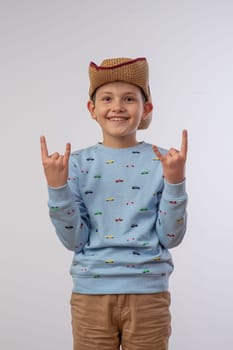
(119, 108)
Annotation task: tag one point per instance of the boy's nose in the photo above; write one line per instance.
(118, 106)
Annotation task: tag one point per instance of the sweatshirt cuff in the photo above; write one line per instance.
(59, 195)
(174, 190)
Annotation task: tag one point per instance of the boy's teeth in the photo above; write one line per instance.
(116, 119)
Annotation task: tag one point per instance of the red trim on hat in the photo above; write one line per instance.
(92, 64)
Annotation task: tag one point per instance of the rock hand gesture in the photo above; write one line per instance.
(55, 165)
(173, 162)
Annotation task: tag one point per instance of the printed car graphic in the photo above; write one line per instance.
(109, 236)
(54, 208)
(71, 212)
(144, 172)
(143, 209)
(156, 258)
(135, 187)
(98, 213)
(88, 192)
(84, 269)
(110, 199)
(97, 176)
(118, 219)
(119, 180)
(135, 252)
(109, 261)
(72, 178)
(162, 212)
(110, 161)
(180, 220)
(172, 235)
(90, 159)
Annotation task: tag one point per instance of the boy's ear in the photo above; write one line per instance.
(91, 108)
(148, 107)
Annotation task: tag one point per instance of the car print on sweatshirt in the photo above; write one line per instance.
(109, 261)
(110, 199)
(135, 187)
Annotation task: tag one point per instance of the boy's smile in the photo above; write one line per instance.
(119, 107)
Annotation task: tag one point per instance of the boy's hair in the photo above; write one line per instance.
(132, 71)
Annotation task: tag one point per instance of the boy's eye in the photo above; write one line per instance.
(106, 98)
(129, 98)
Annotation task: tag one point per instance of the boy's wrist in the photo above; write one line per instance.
(172, 190)
(60, 194)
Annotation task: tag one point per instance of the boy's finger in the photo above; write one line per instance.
(184, 143)
(158, 154)
(44, 149)
(67, 152)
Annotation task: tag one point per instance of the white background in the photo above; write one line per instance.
(46, 47)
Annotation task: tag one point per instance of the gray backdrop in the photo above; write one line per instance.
(46, 47)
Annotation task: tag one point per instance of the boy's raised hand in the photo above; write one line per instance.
(173, 162)
(55, 165)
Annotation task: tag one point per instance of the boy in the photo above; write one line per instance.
(119, 205)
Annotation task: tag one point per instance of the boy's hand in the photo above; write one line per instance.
(56, 165)
(173, 162)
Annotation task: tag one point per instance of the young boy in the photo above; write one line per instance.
(119, 205)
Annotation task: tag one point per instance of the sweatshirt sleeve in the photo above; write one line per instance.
(172, 215)
(68, 213)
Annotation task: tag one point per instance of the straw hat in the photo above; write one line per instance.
(133, 71)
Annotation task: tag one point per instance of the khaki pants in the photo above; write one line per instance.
(134, 321)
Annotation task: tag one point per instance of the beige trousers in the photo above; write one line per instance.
(134, 321)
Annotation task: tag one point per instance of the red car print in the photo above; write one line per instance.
(171, 235)
(119, 180)
(118, 219)
(162, 212)
(72, 178)
(70, 212)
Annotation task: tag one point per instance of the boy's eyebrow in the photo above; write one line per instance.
(124, 93)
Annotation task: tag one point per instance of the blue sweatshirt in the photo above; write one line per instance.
(120, 217)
